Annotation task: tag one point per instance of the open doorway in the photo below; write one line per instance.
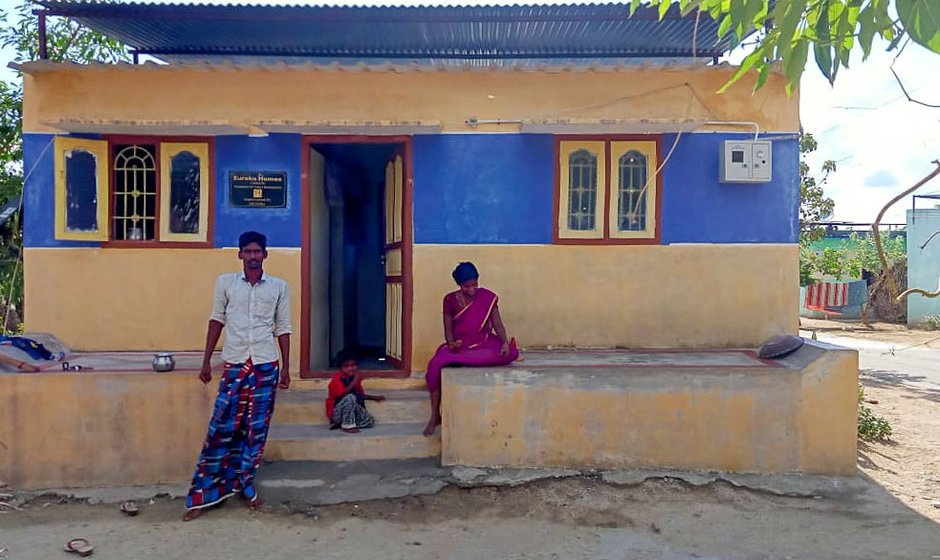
(354, 287)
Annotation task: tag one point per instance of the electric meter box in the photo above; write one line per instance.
(745, 161)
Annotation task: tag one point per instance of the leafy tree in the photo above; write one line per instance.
(787, 30)
(814, 206)
(67, 41)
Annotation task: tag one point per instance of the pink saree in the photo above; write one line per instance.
(474, 327)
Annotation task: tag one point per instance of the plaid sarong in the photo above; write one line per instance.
(238, 430)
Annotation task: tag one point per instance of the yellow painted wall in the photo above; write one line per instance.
(797, 419)
(100, 429)
(639, 296)
(247, 95)
(138, 299)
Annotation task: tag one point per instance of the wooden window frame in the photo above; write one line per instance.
(100, 150)
(209, 197)
(607, 214)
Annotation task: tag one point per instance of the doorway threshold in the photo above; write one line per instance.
(367, 373)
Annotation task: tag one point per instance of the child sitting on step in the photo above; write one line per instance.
(345, 402)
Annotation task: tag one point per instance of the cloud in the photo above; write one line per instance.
(881, 178)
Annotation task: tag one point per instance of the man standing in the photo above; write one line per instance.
(254, 308)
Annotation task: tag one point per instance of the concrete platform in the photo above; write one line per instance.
(120, 423)
(697, 410)
(306, 442)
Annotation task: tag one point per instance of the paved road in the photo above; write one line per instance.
(892, 363)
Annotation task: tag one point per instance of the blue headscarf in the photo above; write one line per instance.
(465, 271)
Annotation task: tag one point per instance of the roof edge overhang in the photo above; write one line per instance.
(44, 66)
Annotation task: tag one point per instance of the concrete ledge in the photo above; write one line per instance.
(729, 414)
(101, 429)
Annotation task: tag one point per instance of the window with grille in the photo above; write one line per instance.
(582, 191)
(608, 190)
(632, 191)
(146, 192)
(135, 193)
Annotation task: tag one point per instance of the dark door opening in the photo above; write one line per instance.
(352, 213)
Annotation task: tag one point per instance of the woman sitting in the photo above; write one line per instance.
(345, 403)
(473, 332)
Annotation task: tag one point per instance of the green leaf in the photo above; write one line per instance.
(788, 26)
(749, 61)
(664, 7)
(821, 49)
(724, 26)
(762, 75)
(794, 64)
(634, 4)
(921, 20)
(866, 30)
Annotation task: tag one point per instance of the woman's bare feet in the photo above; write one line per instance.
(256, 504)
(433, 423)
(191, 514)
(351, 430)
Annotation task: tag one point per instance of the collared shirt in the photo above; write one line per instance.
(253, 316)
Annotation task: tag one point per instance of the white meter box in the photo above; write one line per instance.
(746, 161)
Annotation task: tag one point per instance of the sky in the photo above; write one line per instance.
(881, 142)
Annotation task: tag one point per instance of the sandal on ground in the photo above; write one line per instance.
(79, 546)
(130, 508)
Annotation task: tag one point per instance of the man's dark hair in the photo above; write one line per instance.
(252, 237)
(346, 355)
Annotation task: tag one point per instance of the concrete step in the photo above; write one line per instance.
(307, 407)
(374, 384)
(312, 442)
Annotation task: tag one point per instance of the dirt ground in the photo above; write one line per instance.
(578, 518)
(891, 333)
(908, 465)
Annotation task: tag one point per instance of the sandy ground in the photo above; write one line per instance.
(902, 384)
(556, 519)
(576, 518)
(908, 466)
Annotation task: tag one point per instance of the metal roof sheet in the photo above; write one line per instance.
(510, 34)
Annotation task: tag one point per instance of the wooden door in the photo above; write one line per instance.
(319, 266)
(394, 327)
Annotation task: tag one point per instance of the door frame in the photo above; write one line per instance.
(306, 145)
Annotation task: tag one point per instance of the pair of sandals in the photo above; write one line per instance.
(82, 546)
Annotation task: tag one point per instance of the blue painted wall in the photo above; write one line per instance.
(480, 188)
(699, 209)
(923, 265)
(39, 192)
(476, 188)
(277, 152)
(483, 188)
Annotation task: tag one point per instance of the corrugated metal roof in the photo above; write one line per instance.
(508, 34)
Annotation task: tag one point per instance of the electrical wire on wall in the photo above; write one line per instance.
(8, 300)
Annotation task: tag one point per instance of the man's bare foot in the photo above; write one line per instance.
(351, 430)
(191, 514)
(433, 423)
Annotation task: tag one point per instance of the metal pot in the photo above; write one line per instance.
(163, 362)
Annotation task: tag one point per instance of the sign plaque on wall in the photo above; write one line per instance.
(258, 189)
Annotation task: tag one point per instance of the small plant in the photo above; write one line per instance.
(870, 427)
(930, 322)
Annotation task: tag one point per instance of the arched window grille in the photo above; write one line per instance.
(135, 193)
(582, 190)
(632, 192)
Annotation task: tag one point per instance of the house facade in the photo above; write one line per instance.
(588, 193)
